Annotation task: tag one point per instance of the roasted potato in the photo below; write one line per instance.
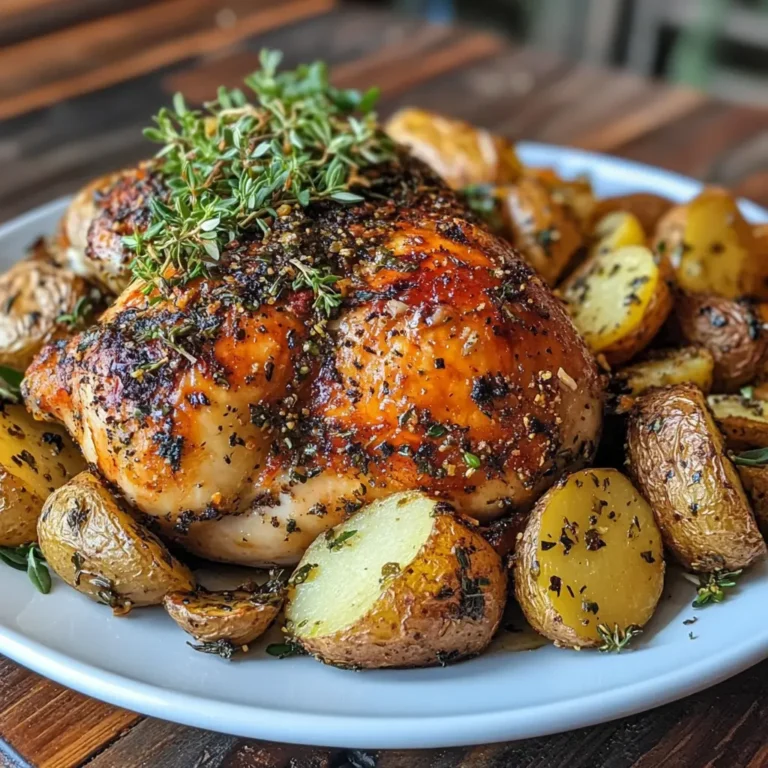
(35, 459)
(755, 482)
(711, 247)
(616, 230)
(34, 295)
(545, 232)
(575, 194)
(619, 300)
(403, 583)
(95, 546)
(237, 616)
(677, 457)
(591, 556)
(731, 330)
(660, 368)
(646, 207)
(743, 420)
(461, 153)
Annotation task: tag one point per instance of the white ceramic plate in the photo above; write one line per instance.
(141, 662)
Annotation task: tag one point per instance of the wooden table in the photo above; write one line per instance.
(72, 104)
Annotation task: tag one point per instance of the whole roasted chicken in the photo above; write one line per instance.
(354, 335)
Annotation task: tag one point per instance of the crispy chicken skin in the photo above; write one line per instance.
(242, 424)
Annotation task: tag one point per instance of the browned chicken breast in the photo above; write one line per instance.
(242, 422)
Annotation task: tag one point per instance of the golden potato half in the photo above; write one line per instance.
(34, 294)
(95, 546)
(35, 459)
(743, 420)
(546, 232)
(646, 207)
(677, 457)
(402, 583)
(618, 301)
(237, 616)
(616, 230)
(660, 368)
(731, 330)
(711, 246)
(461, 153)
(591, 556)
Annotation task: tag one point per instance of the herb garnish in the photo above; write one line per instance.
(224, 648)
(472, 461)
(335, 543)
(286, 649)
(230, 167)
(617, 640)
(757, 457)
(10, 384)
(712, 586)
(29, 558)
(300, 575)
(78, 317)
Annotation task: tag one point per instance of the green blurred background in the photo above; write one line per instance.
(720, 46)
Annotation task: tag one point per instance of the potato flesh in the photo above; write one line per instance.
(40, 455)
(743, 420)
(617, 230)
(675, 366)
(347, 581)
(609, 299)
(617, 582)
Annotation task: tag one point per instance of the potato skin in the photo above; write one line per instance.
(461, 153)
(546, 232)
(677, 458)
(645, 206)
(743, 421)
(238, 616)
(731, 330)
(33, 294)
(96, 547)
(755, 482)
(409, 626)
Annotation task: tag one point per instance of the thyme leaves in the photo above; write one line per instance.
(617, 640)
(28, 558)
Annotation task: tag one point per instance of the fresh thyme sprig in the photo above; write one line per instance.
(616, 640)
(29, 558)
(712, 586)
(231, 167)
(76, 319)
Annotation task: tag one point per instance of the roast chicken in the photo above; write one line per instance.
(241, 422)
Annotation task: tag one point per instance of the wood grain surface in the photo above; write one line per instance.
(78, 79)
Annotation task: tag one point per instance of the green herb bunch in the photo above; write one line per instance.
(229, 167)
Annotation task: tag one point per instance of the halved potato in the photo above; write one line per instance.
(618, 301)
(743, 420)
(591, 556)
(545, 232)
(575, 194)
(677, 457)
(711, 246)
(616, 230)
(755, 482)
(461, 153)
(403, 583)
(95, 546)
(660, 368)
(35, 459)
(732, 331)
(236, 616)
(646, 207)
(34, 294)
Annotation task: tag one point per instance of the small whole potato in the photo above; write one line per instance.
(677, 457)
(235, 616)
(402, 583)
(731, 330)
(95, 546)
(590, 560)
(34, 294)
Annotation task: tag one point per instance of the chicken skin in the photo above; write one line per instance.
(242, 422)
